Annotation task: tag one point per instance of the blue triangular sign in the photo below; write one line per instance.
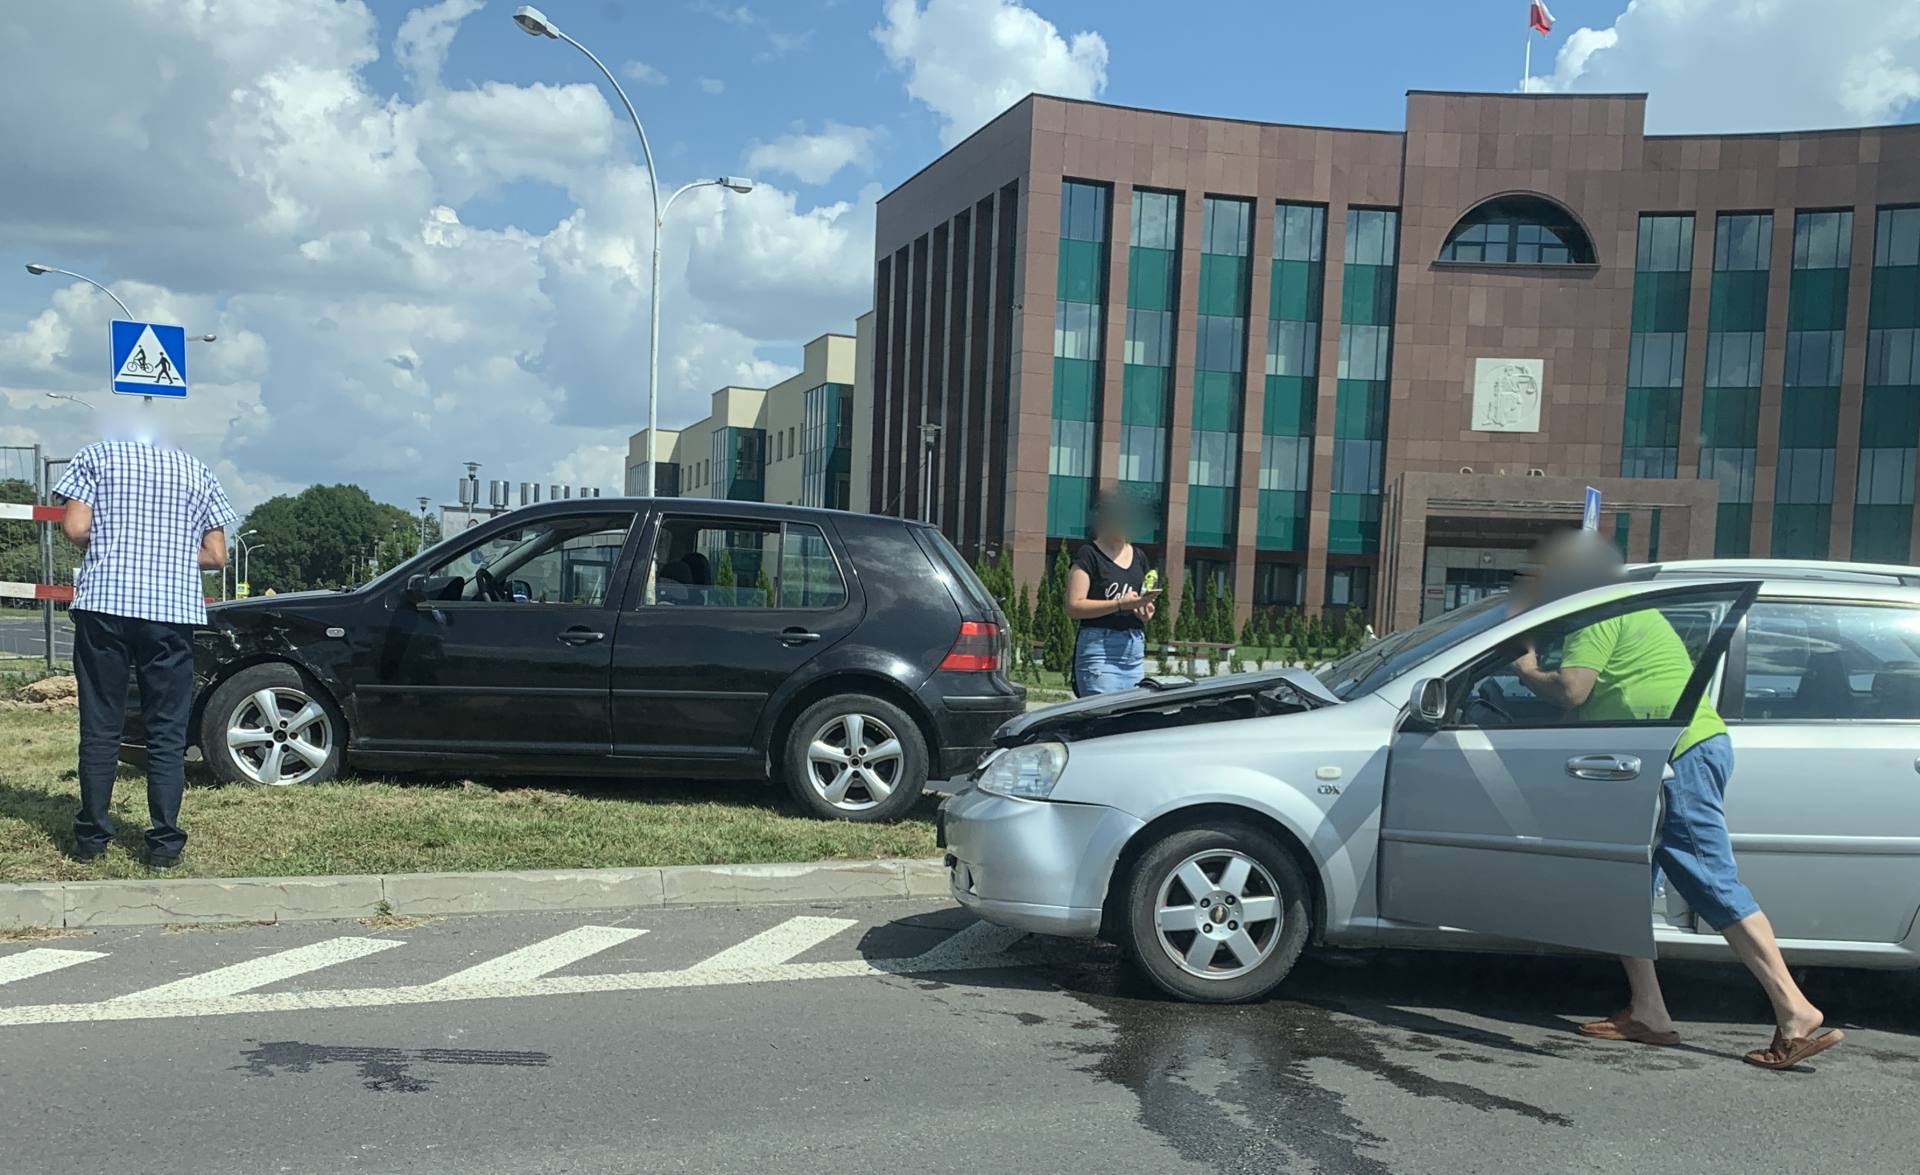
(149, 359)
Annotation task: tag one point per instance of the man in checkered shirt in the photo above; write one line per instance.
(150, 518)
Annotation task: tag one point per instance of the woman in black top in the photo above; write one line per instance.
(1111, 592)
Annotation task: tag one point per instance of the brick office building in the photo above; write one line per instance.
(1362, 368)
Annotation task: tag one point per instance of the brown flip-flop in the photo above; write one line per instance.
(1622, 1026)
(1785, 1052)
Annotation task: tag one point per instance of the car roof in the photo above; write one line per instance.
(698, 506)
(1800, 570)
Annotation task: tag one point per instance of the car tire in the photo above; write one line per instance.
(242, 742)
(856, 757)
(1240, 867)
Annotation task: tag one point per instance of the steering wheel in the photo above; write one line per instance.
(488, 587)
(1489, 694)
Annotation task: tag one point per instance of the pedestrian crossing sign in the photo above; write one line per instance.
(149, 359)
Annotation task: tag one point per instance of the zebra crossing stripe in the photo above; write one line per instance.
(282, 965)
(980, 946)
(793, 937)
(41, 960)
(531, 962)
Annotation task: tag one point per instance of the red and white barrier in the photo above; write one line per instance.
(35, 591)
(23, 512)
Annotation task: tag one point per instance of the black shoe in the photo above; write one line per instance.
(163, 861)
(87, 854)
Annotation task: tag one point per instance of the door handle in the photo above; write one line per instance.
(796, 636)
(1604, 767)
(580, 636)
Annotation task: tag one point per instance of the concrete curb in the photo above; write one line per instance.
(89, 904)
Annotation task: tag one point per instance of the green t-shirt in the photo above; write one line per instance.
(1643, 668)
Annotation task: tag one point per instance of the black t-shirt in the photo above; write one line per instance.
(1107, 580)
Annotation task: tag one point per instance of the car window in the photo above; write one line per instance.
(809, 577)
(1818, 661)
(742, 563)
(1371, 666)
(567, 560)
(1640, 655)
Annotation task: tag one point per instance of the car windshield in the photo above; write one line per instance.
(1369, 667)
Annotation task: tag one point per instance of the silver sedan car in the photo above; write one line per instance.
(1416, 794)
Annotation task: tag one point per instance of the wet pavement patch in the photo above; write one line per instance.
(1232, 1086)
(1242, 1088)
(382, 1070)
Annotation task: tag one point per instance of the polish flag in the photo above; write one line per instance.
(1539, 19)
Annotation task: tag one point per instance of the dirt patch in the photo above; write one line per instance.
(49, 693)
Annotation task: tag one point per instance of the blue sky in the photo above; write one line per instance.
(421, 234)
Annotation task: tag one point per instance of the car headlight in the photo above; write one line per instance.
(1025, 773)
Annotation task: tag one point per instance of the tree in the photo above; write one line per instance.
(325, 536)
(1022, 622)
(1059, 630)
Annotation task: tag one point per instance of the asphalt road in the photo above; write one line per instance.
(791, 1040)
(21, 633)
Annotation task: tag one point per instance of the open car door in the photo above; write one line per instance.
(1510, 818)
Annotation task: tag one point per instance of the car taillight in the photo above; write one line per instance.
(976, 650)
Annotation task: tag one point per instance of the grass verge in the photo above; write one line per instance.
(387, 826)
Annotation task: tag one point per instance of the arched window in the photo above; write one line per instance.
(1519, 230)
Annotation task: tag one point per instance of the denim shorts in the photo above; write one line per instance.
(1106, 660)
(1694, 851)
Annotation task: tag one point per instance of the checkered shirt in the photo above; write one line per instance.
(150, 508)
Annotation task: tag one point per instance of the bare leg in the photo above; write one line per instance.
(1752, 939)
(1649, 1006)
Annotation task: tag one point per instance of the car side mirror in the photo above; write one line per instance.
(416, 590)
(1430, 700)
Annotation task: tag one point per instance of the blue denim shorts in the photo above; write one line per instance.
(1106, 660)
(1694, 851)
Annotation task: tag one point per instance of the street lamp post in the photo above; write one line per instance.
(536, 24)
(233, 557)
(930, 438)
(75, 399)
(37, 269)
(246, 564)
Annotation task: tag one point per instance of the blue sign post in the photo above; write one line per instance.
(149, 359)
(1590, 516)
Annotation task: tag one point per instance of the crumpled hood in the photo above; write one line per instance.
(1084, 715)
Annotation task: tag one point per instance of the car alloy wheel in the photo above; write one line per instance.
(854, 761)
(1219, 914)
(278, 735)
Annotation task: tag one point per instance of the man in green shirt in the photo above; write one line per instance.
(1634, 668)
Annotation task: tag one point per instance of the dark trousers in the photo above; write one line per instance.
(106, 650)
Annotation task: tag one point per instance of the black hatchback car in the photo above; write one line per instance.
(849, 655)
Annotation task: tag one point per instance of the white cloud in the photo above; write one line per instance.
(817, 158)
(968, 60)
(713, 85)
(421, 44)
(601, 467)
(368, 332)
(646, 75)
(1752, 65)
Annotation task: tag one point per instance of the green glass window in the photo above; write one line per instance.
(1890, 405)
(1730, 401)
(1657, 349)
(1220, 361)
(1146, 405)
(1078, 328)
(1360, 403)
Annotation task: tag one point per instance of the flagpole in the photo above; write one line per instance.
(1526, 77)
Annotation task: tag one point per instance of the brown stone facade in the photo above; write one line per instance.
(967, 258)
